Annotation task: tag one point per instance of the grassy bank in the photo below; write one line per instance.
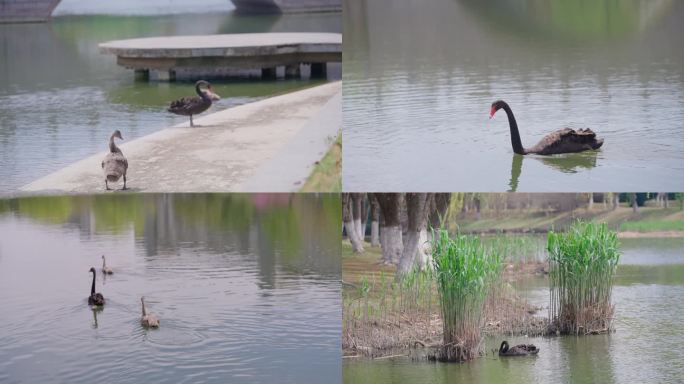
(327, 174)
(648, 220)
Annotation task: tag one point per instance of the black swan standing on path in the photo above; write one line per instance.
(95, 299)
(114, 164)
(188, 106)
(564, 140)
(518, 350)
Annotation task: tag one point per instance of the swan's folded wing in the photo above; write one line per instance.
(185, 105)
(581, 135)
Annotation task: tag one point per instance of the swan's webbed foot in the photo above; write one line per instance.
(191, 123)
(124, 187)
(107, 186)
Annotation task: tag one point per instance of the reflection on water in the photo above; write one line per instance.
(60, 98)
(567, 163)
(246, 287)
(585, 21)
(419, 80)
(645, 347)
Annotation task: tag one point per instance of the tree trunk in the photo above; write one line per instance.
(357, 211)
(364, 215)
(438, 209)
(375, 220)
(416, 204)
(476, 200)
(591, 201)
(423, 256)
(347, 220)
(635, 206)
(390, 227)
(616, 200)
(666, 200)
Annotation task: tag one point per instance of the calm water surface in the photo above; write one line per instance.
(247, 288)
(647, 293)
(419, 81)
(60, 99)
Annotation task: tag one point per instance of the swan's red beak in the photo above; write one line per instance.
(492, 112)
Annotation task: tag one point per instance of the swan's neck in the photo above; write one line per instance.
(112, 145)
(92, 287)
(515, 135)
(143, 307)
(202, 93)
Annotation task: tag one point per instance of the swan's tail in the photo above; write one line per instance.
(598, 143)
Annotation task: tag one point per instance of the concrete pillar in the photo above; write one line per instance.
(162, 75)
(292, 71)
(319, 70)
(269, 73)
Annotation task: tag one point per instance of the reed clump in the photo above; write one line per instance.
(582, 263)
(464, 270)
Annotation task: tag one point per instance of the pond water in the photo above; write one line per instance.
(247, 288)
(60, 98)
(419, 81)
(645, 348)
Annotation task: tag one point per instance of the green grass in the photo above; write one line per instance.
(465, 270)
(515, 248)
(653, 226)
(327, 174)
(582, 262)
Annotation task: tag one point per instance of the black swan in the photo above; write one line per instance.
(188, 106)
(114, 164)
(148, 319)
(564, 140)
(518, 350)
(95, 299)
(105, 269)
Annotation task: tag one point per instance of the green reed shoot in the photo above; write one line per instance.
(465, 270)
(582, 263)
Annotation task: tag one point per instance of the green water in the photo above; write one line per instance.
(645, 348)
(60, 98)
(247, 288)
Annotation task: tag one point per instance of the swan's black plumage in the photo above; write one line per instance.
(564, 140)
(188, 106)
(95, 299)
(518, 350)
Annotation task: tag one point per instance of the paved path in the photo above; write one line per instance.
(232, 150)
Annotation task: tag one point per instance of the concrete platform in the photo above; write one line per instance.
(238, 149)
(286, 6)
(161, 58)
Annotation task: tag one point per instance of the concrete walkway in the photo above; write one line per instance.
(266, 146)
